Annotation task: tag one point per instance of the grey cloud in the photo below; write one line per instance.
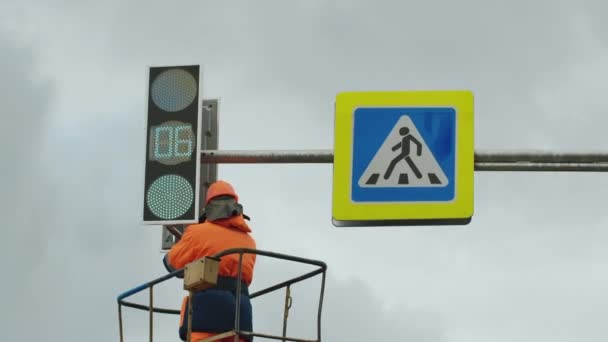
(26, 198)
(501, 51)
(504, 52)
(353, 311)
(592, 11)
(64, 212)
(535, 242)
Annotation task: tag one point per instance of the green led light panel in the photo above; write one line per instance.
(170, 197)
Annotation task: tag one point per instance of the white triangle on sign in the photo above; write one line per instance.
(408, 168)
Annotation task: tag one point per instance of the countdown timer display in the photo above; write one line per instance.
(172, 145)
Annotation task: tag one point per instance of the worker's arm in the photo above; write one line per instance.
(181, 253)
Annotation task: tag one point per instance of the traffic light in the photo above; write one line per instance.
(173, 129)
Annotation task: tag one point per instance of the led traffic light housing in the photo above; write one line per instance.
(173, 132)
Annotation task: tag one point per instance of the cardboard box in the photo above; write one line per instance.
(201, 274)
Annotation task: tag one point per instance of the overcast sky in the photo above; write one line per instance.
(530, 266)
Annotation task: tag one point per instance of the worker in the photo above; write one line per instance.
(221, 227)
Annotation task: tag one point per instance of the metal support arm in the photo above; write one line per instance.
(484, 161)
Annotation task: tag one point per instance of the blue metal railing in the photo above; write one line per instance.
(322, 268)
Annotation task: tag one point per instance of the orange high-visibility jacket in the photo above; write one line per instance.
(208, 238)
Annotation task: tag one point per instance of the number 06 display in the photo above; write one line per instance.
(173, 149)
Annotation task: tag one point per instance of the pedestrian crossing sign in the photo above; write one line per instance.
(403, 158)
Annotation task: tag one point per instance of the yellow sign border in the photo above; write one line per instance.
(461, 207)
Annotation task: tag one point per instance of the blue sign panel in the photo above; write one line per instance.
(404, 154)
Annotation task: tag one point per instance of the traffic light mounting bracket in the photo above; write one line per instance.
(208, 171)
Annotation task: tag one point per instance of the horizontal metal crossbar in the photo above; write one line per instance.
(274, 337)
(146, 308)
(484, 161)
(252, 334)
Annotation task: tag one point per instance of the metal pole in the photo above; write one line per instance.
(207, 171)
(286, 308)
(237, 315)
(547, 167)
(151, 312)
(120, 328)
(210, 140)
(269, 156)
(320, 308)
(189, 318)
(484, 161)
(540, 157)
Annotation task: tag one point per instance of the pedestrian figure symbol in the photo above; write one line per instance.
(404, 145)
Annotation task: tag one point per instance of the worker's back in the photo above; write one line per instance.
(214, 308)
(209, 238)
(223, 228)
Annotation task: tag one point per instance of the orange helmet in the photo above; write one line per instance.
(220, 188)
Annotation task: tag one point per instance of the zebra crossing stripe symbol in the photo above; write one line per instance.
(403, 160)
